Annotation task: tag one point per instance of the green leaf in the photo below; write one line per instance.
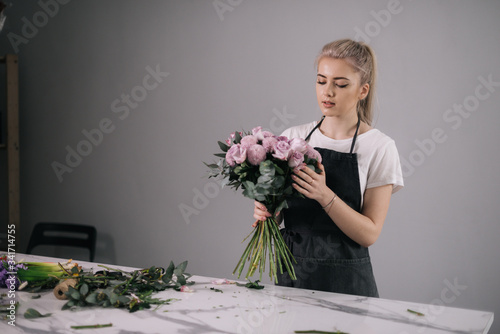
(252, 285)
(182, 267)
(113, 298)
(278, 182)
(267, 167)
(279, 170)
(68, 305)
(123, 300)
(84, 289)
(168, 273)
(181, 280)
(223, 146)
(220, 155)
(72, 293)
(282, 205)
(237, 137)
(33, 314)
(92, 298)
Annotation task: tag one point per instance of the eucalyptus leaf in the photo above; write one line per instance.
(84, 289)
(169, 272)
(92, 298)
(113, 298)
(182, 267)
(223, 146)
(33, 314)
(237, 137)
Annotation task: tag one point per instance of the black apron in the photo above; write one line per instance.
(327, 259)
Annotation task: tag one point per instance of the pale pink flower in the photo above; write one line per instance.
(296, 159)
(282, 150)
(248, 141)
(260, 134)
(313, 154)
(256, 154)
(256, 130)
(299, 145)
(269, 143)
(236, 155)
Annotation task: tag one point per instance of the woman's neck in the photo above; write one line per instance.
(339, 128)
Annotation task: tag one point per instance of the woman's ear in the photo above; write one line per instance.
(364, 90)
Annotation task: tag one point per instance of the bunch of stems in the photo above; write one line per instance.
(266, 244)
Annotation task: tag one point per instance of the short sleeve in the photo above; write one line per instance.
(385, 168)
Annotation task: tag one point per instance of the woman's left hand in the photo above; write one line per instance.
(313, 185)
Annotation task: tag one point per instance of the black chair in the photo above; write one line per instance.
(64, 234)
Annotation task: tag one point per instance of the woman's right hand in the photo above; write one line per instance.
(260, 212)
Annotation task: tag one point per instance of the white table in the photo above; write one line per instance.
(241, 310)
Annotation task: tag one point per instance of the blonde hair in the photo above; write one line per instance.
(362, 59)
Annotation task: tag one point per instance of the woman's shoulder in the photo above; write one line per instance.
(375, 135)
(374, 142)
(299, 131)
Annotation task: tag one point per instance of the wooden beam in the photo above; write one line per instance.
(13, 142)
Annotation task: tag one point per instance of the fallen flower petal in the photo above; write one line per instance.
(221, 281)
(185, 288)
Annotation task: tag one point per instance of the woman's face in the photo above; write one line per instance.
(338, 87)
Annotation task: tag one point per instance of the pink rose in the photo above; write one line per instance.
(282, 150)
(299, 145)
(236, 155)
(296, 159)
(256, 154)
(269, 143)
(313, 154)
(282, 138)
(260, 134)
(248, 141)
(256, 130)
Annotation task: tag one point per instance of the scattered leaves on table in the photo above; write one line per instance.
(252, 285)
(92, 326)
(415, 312)
(33, 314)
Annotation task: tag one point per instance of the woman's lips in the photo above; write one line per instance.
(328, 104)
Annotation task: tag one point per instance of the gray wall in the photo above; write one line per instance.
(252, 64)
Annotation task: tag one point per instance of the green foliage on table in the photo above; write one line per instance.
(131, 290)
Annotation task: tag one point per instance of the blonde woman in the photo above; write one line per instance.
(345, 205)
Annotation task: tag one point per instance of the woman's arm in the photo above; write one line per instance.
(365, 227)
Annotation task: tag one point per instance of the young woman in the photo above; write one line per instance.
(345, 205)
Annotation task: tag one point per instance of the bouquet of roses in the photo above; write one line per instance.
(262, 165)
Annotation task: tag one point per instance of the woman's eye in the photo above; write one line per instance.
(321, 82)
(342, 86)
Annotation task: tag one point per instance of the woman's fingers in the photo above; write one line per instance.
(260, 212)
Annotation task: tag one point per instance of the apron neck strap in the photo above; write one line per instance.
(317, 126)
(355, 135)
(353, 138)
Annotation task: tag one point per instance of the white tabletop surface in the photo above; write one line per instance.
(238, 309)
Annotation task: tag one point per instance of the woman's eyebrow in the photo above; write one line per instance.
(336, 78)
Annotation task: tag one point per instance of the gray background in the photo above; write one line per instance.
(253, 65)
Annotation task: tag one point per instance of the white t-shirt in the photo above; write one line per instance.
(378, 158)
